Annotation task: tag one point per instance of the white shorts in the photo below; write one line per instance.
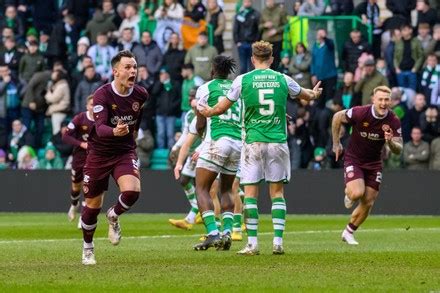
(189, 169)
(220, 156)
(265, 161)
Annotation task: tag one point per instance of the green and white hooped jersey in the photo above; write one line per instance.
(264, 94)
(227, 124)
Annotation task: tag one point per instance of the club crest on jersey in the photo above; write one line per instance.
(114, 106)
(386, 127)
(365, 124)
(135, 106)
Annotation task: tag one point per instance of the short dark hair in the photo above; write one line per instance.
(222, 66)
(118, 57)
(188, 66)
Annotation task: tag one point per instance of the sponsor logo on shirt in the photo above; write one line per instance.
(371, 136)
(126, 119)
(97, 108)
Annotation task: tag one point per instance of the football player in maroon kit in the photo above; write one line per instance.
(77, 134)
(373, 126)
(117, 108)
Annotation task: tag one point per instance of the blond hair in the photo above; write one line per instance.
(382, 88)
(262, 50)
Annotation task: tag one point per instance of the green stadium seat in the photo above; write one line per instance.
(159, 159)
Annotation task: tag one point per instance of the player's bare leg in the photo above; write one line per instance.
(238, 211)
(276, 191)
(213, 192)
(130, 187)
(75, 203)
(89, 220)
(227, 208)
(354, 190)
(251, 219)
(189, 220)
(204, 181)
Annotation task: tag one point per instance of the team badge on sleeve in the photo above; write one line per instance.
(97, 108)
(71, 126)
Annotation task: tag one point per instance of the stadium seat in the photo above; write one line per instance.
(159, 159)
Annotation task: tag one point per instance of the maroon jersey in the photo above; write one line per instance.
(367, 137)
(78, 132)
(109, 107)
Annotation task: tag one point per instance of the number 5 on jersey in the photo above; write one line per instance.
(265, 98)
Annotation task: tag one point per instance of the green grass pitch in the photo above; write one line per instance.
(42, 252)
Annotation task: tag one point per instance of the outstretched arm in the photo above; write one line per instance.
(395, 143)
(337, 121)
(221, 107)
(183, 153)
(313, 94)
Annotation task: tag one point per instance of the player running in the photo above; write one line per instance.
(112, 150)
(186, 179)
(77, 134)
(264, 94)
(373, 126)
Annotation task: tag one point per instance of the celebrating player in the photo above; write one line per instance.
(373, 126)
(77, 134)
(264, 94)
(112, 150)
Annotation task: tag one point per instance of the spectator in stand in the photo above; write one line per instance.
(126, 41)
(272, 22)
(58, 98)
(19, 137)
(401, 10)
(70, 32)
(78, 61)
(426, 14)
(7, 32)
(369, 11)
(51, 160)
(167, 101)
(145, 147)
(319, 161)
(102, 54)
(396, 36)
(430, 75)
(148, 53)
(415, 112)
(88, 85)
(3, 163)
(300, 66)
(381, 66)
(130, 21)
(217, 19)
(400, 109)
(45, 14)
(283, 67)
(408, 58)
(341, 7)
(195, 10)
(424, 35)
(27, 159)
(79, 9)
(434, 45)
(13, 21)
(10, 56)
(170, 9)
(245, 32)
(312, 8)
(99, 25)
(434, 158)
(190, 81)
(416, 151)
(147, 80)
(430, 124)
(323, 67)
(60, 43)
(44, 42)
(201, 56)
(64, 149)
(346, 93)
(353, 49)
(109, 13)
(435, 94)
(174, 57)
(10, 89)
(146, 13)
(31, 63)
(370, 79)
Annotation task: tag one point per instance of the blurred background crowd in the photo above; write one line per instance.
(55, 53)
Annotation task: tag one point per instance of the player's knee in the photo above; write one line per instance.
(226, 203)
(129, 197)
(355, 193)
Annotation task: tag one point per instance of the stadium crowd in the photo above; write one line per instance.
(54, 54)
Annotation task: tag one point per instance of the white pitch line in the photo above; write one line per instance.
(198, 235)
